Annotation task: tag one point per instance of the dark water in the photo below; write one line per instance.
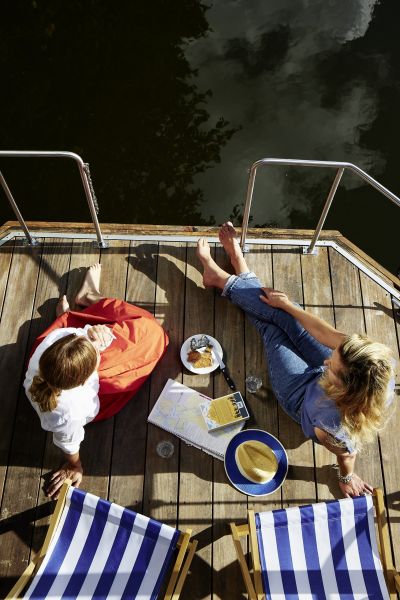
(171, 102)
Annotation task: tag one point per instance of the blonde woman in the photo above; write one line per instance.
(337, 387)
(86, 366)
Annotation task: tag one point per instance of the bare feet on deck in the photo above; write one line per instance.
(90, 290)
(229, 239)
(213, 275)
(62, 306)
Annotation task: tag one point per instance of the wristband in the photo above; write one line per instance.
(345, 478)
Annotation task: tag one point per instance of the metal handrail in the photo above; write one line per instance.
(341, 167)
(84, 172)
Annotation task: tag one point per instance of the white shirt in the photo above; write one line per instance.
(75, 407)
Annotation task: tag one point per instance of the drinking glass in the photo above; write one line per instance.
(253, 383)
(165, 449)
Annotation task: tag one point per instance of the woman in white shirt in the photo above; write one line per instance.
(87, 366)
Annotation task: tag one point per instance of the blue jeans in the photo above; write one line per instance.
(294, 357)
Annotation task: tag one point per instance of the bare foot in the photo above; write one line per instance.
(229, 239)
(62, 306)
(213, 275)
(90, 290)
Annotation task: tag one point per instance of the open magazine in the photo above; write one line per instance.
(177, 410)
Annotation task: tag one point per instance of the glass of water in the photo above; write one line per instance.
(165, 449)
(253, 383)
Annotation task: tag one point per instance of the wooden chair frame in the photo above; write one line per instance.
(253, 581)
(187, 549)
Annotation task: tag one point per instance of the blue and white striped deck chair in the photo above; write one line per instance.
(321, 551)
(97, 549)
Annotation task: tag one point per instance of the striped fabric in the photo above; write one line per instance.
(101, 550)
(321, 551)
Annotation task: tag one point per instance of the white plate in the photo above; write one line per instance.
(216, 348)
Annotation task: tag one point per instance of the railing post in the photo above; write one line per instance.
(100, 240)
(83, 170)
(31, 241)
(247, 206)
(331, 195)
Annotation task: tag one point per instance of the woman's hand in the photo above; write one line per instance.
(355, 487)
(69, 470)
(275, 298)
(101, 336)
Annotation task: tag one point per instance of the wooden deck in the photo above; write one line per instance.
(189, 489)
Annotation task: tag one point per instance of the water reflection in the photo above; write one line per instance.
(172, 102)
(270, 54)
(307, 78)
(112, 83)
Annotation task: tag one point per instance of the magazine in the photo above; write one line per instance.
(177, 410)
(224, 411)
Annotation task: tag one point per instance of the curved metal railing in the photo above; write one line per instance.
(340, 166)
(86, 181)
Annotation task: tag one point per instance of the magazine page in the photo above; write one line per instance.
(177, 410)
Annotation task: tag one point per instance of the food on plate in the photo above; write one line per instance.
(201, 360)
(256, 461)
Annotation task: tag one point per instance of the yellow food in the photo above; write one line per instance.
(256, 461)
(200, 360)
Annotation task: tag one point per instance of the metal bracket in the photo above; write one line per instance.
(33, 242)
(102, 244)
(313, 252)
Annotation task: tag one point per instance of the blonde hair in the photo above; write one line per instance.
(362, 399)
(64, 365)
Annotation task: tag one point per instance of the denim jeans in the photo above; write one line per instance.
(294, 357)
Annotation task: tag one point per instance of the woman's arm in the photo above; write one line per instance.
(68, 439)
(71, 469)
(318, 328)
(356, 486)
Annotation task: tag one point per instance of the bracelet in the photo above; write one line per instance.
(345, 478)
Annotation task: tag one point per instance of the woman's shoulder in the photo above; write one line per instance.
(52, 337)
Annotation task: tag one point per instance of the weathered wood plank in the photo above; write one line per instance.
(14, 331)
(229, 504)
(83, 254)
(26, 454)
(130, 432)
(160, 498)
(369, 262)
(190, 230)
(381, 327)
(299, 487)
(349, 317)
(318, 300)
(196, 467)
(6, 253)
(262, 404)
(98, 444)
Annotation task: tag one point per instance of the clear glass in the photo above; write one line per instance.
(165, 449)
(253, 383)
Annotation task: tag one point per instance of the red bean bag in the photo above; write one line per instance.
(125, 365)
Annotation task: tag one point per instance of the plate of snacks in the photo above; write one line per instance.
(198, 353)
